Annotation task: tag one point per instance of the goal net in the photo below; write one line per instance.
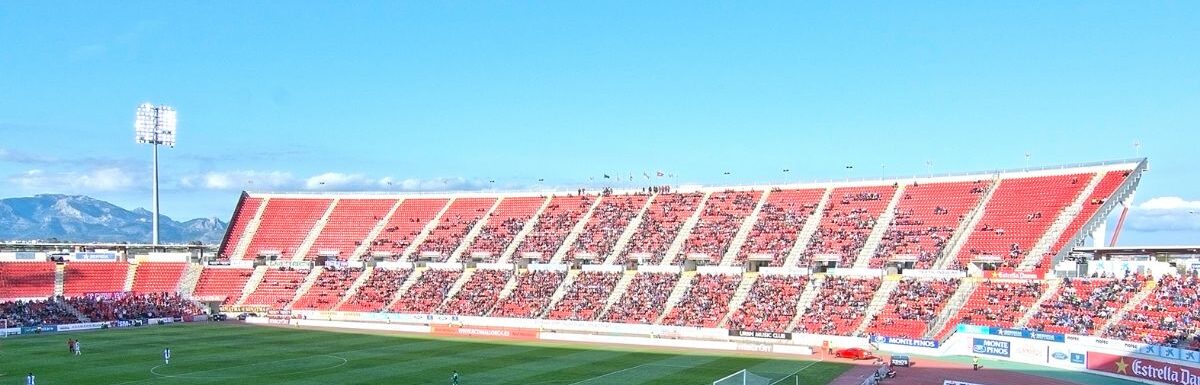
(743, 377)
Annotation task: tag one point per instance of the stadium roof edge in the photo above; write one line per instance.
(1123, 164)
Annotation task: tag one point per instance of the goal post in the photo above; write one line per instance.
(743, 377)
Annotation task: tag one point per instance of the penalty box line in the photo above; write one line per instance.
(628, 369)
(810, 364)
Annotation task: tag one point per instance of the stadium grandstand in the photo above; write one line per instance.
(815, 264)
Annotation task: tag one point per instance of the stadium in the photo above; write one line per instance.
(599, 193)
(757, 284)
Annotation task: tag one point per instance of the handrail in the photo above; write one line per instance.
(1126, 188)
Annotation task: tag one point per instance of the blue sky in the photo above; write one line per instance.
(438, 95)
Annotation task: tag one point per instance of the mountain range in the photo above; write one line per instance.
(77, 218)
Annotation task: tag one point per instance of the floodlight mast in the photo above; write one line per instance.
(155, 125)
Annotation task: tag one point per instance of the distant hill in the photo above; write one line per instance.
(77, 218)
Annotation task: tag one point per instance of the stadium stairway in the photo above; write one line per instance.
(509, 286)
(806, 233)
(239, 252)
(252, 284)
(408, 283)
(560, 291)
(309, 280)
(314, 233)
(71, 309)
(191, 277)
(743, 233)
(575, 232)
(457, 286)
(618, 292)
(60, 275)
(375, 231)
(681, 287)
(469, 238)
(811, 289)
(1134, 301)
(420, 238)
(1064, 219)
(959, 238)
(517, 239)
(882, 224)
(130, 273)
(685, 231)
(627, 235)
(358, 282)
(954, 304)
(882, 295)
(739, 296)
(1050, 291)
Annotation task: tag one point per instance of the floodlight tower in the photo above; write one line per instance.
(155, 125)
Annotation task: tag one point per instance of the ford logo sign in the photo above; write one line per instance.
(1059, 355)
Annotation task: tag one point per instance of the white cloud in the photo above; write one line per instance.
(1169, 203)
(335, 181)
(328, 181)
(101, 179)
(1165, 214)
(240, 180)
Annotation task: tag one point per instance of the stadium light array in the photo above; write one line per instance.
(155, 125)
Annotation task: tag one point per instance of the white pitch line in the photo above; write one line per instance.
(188, 374)
(797, 371)
(631, 368)
(608, 374)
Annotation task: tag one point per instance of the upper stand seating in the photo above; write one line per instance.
(405, 224)
(427, 293)
(348, 225)
(552, 227)
(720, 221)
(503, 225)
(840, 306)
(1103, 191)
(643, 302)
(328, 289)
(158, 277)
(1019, 213)
(1084, 304)
(608, 221)
(779, 223)
(771, 304)
(478, 295)
(277, 288)
(1170, 316)
(925, 219)
(459, 219)
(237, 226)
(847, 222)
(996, 303)
(94, 277)
(913, 307)
(285, 224)
(705, 302)
(26, 280)
(222, 283)
(660, 225)
(377, 291)
(585, 297)
(531, 296)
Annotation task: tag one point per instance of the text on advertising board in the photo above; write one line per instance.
(991, 347)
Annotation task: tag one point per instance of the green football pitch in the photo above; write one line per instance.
(233, 353)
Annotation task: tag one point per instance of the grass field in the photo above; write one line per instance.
(232, 353)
